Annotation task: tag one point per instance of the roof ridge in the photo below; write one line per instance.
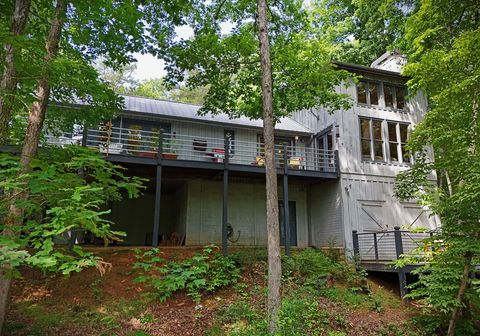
(158, 99)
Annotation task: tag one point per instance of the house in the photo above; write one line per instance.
(206, 173)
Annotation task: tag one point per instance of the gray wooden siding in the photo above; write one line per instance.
(325, 214)
(246, 213)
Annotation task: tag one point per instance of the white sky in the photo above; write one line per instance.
(149, 66)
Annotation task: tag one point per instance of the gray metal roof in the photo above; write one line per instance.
(175, 110)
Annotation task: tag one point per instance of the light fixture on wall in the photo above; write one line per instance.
(348, 188)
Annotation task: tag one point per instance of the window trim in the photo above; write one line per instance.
(372, 139)
(381, 94)
(367, 83)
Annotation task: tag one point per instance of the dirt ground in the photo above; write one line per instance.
(87, 303)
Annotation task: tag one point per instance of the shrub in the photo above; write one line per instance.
(204, 272)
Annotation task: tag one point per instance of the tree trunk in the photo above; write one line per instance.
(274, 260)
(32, 136)
(461, 291)
(9, 77)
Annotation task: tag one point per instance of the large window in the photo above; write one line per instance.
(394, 96)
(367, 92)
(397, 138)
(371, 139)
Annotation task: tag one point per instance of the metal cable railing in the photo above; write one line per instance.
(138, 142)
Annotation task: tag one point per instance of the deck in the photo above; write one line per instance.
(126, 145)
(378, 251)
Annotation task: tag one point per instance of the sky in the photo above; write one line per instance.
(149, 66)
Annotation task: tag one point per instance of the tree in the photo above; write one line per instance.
(157, 89)
(362, 30)
(234, 67)
(442, 40)
(120, 80)
(9, 79)
(60, 67)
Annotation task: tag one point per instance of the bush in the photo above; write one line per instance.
(204, 272)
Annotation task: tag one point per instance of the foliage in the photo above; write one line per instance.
(90, 36)
(362, 30)
(157, 89)
(204, 272)
(443, 39)
(228, 63)
(67, 190)
(312, 268)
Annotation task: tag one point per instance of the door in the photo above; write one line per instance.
(292, 205)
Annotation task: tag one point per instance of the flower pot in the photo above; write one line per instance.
(170, 156)
(148, 154)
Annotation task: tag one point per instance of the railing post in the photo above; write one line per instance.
(337, 163)
(226, 156)
(158, 192)
(431, 238)
(84, 135)
(399, 251)
(356, 247)
(286, 208)
(375, 244)
(398, 241)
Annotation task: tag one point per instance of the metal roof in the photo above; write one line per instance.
(169, 109)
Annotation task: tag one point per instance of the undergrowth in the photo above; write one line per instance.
(204, 272)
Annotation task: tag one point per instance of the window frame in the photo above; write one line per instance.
(372, 140)
(367, 83)
(399, 144)
(394, 88)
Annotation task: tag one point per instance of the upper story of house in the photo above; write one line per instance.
(367, 139)
(371, 135)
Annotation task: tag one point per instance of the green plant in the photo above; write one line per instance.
(169, 145)
(301, 316)
(204, 272)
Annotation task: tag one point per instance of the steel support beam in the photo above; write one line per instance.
(158, 192)
(286, 207)
(225, 198)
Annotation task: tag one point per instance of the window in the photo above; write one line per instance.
(397, 139)
(371, 139)
(394, 96)
(279, 142)
(367, 92)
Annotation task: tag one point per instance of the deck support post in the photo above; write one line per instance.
(356, 247)
(402, 277)
(226, 156)
(286, 206)
(375, 244)
(158, 192)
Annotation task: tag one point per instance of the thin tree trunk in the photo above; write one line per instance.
(9, 77)
(461, 291)
(32, 136)
(274, 260)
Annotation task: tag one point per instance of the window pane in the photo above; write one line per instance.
(378, 150)
(366, 150)
(320, 143)
(392, 131)
(405, 154)
(403, 133)
(361, 93)
(393, 151)
(388, 95)
(400, 93)
(329, 141)
(373, 88)
(364, 128)
(377, 129)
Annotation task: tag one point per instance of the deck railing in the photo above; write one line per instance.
(175, 146)
(385, 246)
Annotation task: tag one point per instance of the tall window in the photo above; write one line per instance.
(397, 139)
(367, 92)
(371, 139)
(394, 96)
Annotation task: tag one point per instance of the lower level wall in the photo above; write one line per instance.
(325, 215)
(370, 205)
(246, 213)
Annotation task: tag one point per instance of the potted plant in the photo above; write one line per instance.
(169, 149)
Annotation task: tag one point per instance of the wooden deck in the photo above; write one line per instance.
(378, 251)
